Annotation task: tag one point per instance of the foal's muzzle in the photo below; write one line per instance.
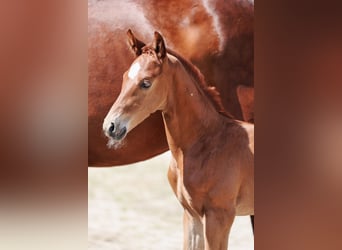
(115, 131)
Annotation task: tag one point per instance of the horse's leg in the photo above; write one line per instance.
(217, 226)
(193, 232)
(252, 221)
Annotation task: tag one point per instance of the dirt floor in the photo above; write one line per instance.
(133, 207)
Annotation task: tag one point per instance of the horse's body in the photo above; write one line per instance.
(212, 166)
(217, 36)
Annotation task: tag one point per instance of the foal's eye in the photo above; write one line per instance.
(145, 84)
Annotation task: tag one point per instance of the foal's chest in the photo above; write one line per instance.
(189, 189)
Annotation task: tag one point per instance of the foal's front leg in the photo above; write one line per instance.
(217, 224)
(193, 232)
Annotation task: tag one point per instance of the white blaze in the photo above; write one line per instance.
(133, 71)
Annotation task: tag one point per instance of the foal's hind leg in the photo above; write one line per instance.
(252, 222)
(217, 227)
(193, 232)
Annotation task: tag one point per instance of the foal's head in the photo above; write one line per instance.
(144, 88)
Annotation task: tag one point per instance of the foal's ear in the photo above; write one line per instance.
(159, 45)
(135, 44)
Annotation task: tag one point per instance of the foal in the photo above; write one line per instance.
(211, 170)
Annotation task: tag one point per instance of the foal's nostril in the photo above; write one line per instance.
(111, 128)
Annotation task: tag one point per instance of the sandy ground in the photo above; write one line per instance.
(133, 207)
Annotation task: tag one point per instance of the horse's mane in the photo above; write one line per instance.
(210, 91)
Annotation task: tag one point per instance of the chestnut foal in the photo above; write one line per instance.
(212, 166)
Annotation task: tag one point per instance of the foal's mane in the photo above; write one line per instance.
(210, 91)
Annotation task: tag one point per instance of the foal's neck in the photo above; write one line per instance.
(189, 114)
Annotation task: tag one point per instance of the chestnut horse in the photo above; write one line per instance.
(217, 36)
(212, 165)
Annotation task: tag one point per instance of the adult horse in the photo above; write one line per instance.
(217, 36)
(212, 165)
